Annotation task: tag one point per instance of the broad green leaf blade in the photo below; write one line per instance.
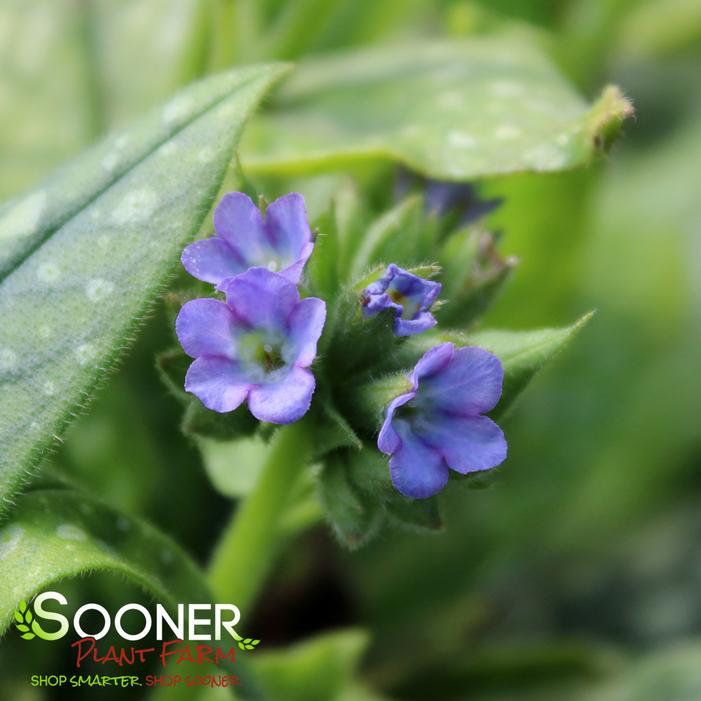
(314, 670)
(85, 254)
(523, 354)
(453, 110)
(57, 534)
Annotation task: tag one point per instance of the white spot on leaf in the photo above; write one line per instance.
(507, 132)
(168, 149)
(177, 109)
(8, 359)
(10, 538)
(460, 139)
(206, 155)
(48, 272)
(22, 219)
(85, 353)
(67, 531)
(109, 162)
(136, 206)
(97, 289)
(506, 88)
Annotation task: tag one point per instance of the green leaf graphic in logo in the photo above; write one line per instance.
(23, 619)
(26, 624)
(246, 643)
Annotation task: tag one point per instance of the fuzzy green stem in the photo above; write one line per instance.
(250, 541)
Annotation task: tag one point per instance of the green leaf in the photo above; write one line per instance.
(403, 235)
(451, 110)
(523, 354)
(85, 254)
(22, 627)
(28, 636)
(333, 430)
(56, 534)
(415, 514)
(473, 273)
(353, 516)
(314, 670)
(200, 421)
(19, 617)
(233, 466)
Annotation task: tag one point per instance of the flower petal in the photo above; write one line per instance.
(417, 470)
(468, 444)
(211, 260)
(306, 325)
(294, 272)
(432, 362)
(420, 293)
(469, 385)
(239, 222)
(285, 401)
(388, 441)
(262, 299)
(217, 382)
(287, 225)
(409, 327)
(206, 327)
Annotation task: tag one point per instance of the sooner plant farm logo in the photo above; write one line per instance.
(27, 621)
(187, 636)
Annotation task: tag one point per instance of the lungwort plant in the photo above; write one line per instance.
(328, 368)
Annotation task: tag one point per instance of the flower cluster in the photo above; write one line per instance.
(258, 344)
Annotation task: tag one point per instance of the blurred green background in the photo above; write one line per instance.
(578, 573)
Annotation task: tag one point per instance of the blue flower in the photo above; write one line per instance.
(282, 242)
(438, 425)
(409, 295)
(256, 347)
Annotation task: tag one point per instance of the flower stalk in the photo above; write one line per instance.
(250, 541)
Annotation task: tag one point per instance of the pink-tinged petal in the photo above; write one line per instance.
(217, 382)
(468, 444)
(239, 222)
(285, 401)
(211, 260)
(469, 385)
(262, 299)
(206, 327)
(287, 225)
(306, 325)
(417, 470)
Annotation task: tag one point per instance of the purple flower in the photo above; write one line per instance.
(437, 424)
(409, 295)
(282, 242)
(256, 346)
